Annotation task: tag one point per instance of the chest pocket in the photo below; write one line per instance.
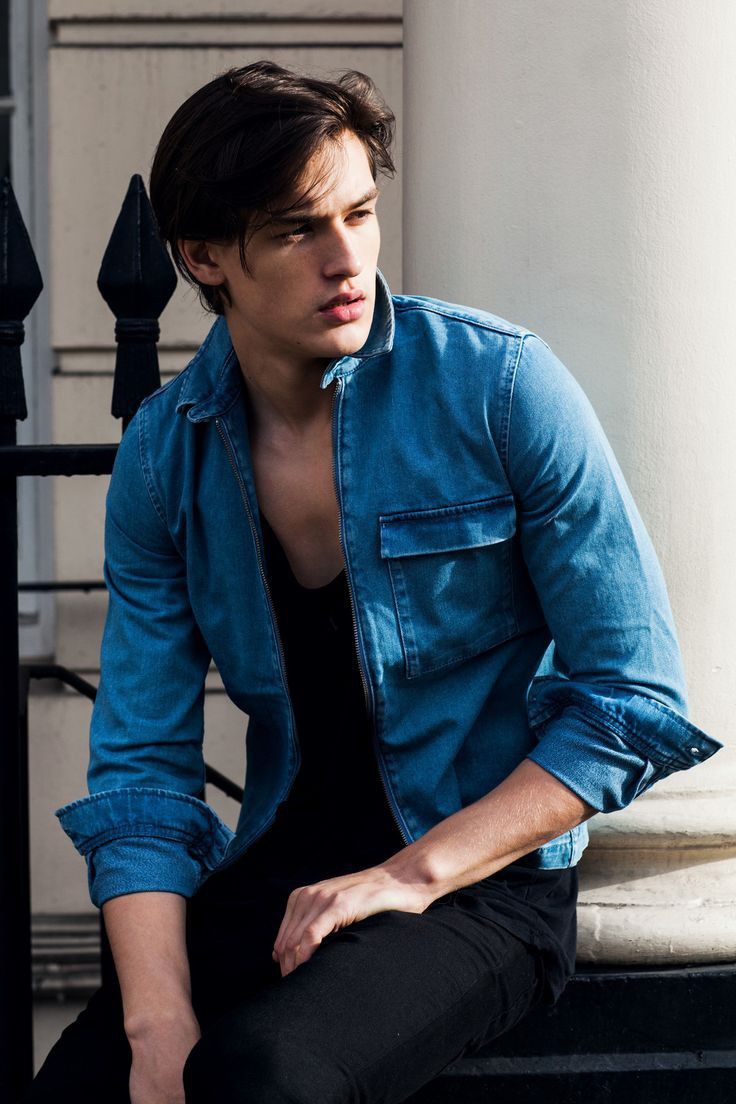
(450, 571)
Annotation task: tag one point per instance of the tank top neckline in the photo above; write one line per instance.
(276, 546)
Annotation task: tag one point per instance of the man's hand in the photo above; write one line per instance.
(314, 911)
(159, 1054)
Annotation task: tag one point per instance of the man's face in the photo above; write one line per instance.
(327, 248)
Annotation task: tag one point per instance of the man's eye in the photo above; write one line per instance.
(297, 232)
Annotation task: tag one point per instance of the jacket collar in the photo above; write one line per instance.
(212, 380)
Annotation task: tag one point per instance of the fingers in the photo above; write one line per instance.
(314, 911)
(310, 915)
(287, 940)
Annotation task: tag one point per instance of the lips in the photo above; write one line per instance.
(343, 299)
(344, 308)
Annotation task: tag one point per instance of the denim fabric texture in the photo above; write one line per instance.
(508, 601)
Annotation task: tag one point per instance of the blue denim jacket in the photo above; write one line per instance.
(507, 599)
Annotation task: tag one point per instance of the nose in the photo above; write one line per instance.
(341, 254)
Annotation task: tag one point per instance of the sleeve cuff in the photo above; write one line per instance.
(610, 745)
(139, 839)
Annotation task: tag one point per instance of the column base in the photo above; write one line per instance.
(658, 881)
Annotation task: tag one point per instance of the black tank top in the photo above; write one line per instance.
(336, 816)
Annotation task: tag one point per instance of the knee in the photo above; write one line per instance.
(231, 1065)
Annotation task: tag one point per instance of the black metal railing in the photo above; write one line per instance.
(136, 280)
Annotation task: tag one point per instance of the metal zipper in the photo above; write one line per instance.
(356, 636)
(282, 655)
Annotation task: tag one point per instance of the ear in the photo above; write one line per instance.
(202, 260)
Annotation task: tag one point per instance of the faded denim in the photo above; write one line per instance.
(508, 601)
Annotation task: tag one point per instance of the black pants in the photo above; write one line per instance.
(380, 1008)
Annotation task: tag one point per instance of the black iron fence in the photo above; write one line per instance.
(136, 280)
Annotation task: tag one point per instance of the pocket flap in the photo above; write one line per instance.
(448, 528)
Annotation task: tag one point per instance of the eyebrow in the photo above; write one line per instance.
(309, 216)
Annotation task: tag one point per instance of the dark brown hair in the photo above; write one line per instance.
(237, 147)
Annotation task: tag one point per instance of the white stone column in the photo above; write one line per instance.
(571, 165)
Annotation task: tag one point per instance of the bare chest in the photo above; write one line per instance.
(296, 492)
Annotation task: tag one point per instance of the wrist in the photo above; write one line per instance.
(143, 1023)
(415, 866)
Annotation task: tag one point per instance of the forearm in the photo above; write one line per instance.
(147, 933)
(526, 810)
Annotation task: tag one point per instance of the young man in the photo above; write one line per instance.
(398, 529)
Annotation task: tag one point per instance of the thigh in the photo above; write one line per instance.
(380, 1009)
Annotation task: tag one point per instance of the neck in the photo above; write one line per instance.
(284, 394)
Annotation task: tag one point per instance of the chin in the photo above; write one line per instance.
(345, 344)
(348, 348)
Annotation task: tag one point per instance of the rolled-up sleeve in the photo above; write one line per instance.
(608, 706)
(140, 838)
(143, 825)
